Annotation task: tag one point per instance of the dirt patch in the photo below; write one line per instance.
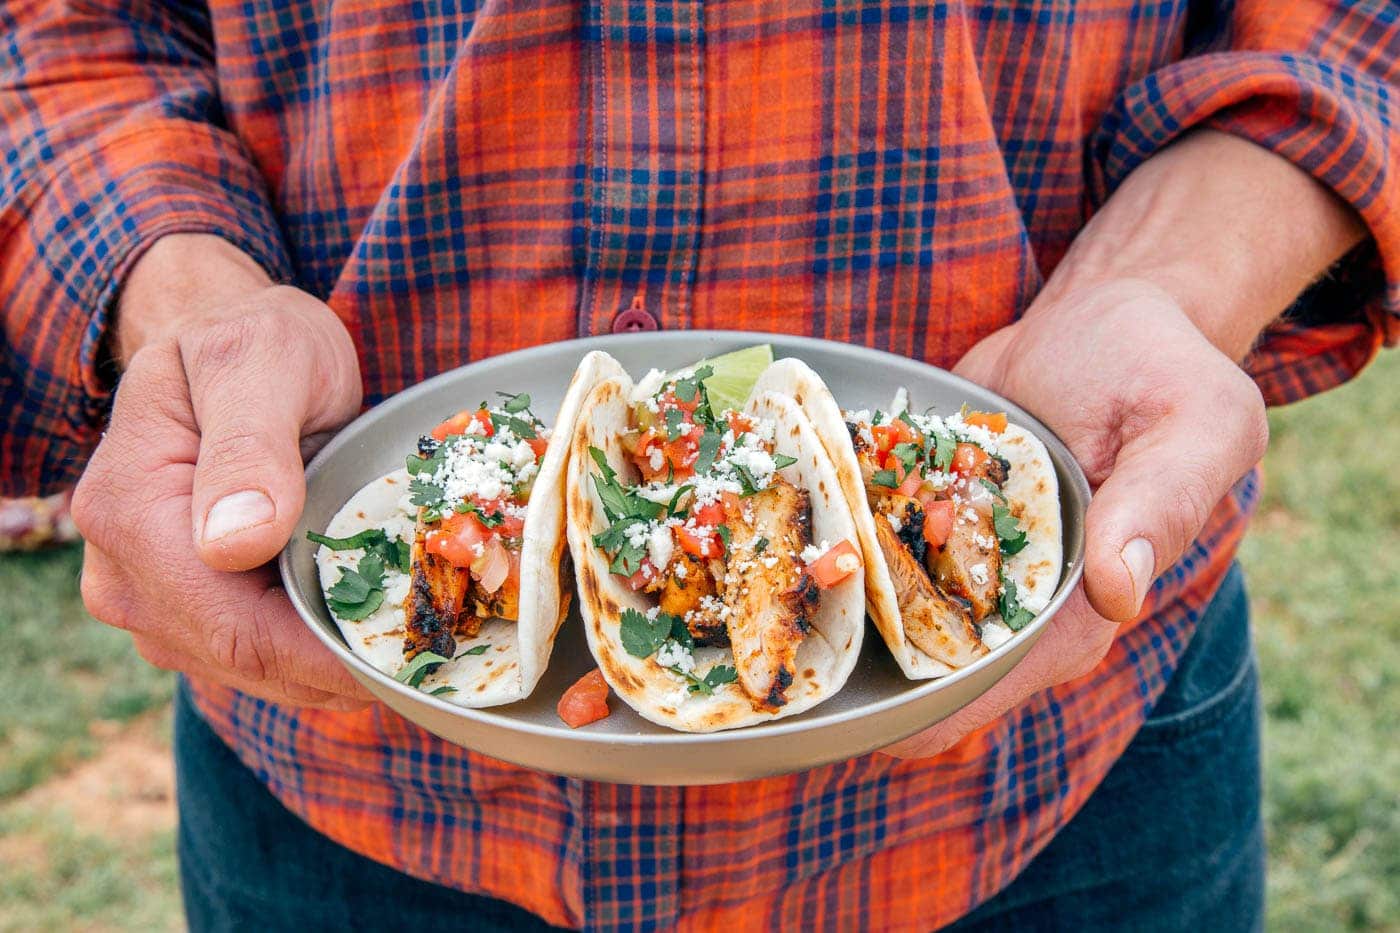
(127, 790)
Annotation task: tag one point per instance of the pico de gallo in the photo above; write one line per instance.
(471, 480)
(718, 535)
(935, 486)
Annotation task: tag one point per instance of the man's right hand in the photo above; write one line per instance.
(197, 484)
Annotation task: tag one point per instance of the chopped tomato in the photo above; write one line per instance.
(586, 701)
(511, 525)
(836, 565)
(967, 458)
(996, 423)
(738, 423)
(682, 453)
(644, 575)
(887, 436)
(459, 539)
(938, 520)
(513, 575)
(699, 545)
(671, 400)
(538, 445)
(912, 481)
(460, 422)
(711, 513)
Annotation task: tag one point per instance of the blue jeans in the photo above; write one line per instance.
(1172, 840)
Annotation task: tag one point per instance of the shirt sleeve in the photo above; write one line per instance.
(109, 139)
(1313, 81)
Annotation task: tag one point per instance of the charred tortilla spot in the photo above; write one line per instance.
(809, 673)
(783, 680)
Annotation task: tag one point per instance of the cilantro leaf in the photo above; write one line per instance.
(760, 545)
(908, 455)
(686, 389)
(783, 460)
(475, 650)
(717, 676)
(1013, 539)
(359, 592)
(886, 478)
(680, 632)
(1012, 612)
(709, 449)
(429, 495)
(747, 482)
(674, 418)
(641, 636)
(442, 690)
(601, 459)
(393, 551)
(945, 445)
(414, 671)
(522, 428)
(675, 500)
(515, 404)
(356, 610)
(723, 532)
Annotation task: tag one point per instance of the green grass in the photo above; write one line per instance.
(1323, 561)
(59, 670)
(84, 880)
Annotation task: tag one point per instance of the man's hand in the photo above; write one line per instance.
(198, 480)
(1129, 355)
(1163, 424)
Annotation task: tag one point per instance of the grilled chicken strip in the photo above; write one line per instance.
(769, 605)
(436, 594)
(682, 595)
(969, 565)
(939, 626)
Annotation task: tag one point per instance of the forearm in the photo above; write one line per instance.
(1232, 232)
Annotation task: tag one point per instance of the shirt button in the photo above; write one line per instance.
(634, 319)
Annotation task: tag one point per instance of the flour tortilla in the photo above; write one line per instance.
(1032, 494)
(518, 651)
(828, 654)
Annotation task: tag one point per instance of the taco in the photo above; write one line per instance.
(958, 518)
(452, 574)
(719, 574)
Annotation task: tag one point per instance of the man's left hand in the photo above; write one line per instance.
(1163, 424)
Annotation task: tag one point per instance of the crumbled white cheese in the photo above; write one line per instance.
(660, 546)
(395, 588)
(900, 403)
(812, 552)
(673, 654)
(979, 574)
(896, 524)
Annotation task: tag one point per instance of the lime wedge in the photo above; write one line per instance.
(734, 375)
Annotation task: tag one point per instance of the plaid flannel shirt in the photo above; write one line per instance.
(460, 179)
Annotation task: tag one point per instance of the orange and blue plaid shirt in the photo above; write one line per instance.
(458, 179)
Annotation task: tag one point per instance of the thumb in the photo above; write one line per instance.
(1163, 486)
(258, 384)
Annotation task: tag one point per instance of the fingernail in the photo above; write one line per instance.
(237, 512)
(1140, 560)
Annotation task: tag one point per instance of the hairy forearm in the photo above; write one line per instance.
(182, 278)
(1231, 231)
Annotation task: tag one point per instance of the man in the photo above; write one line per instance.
(437, 183)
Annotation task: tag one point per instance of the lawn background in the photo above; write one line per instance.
(86, 817)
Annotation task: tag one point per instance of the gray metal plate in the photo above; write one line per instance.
(877, 706)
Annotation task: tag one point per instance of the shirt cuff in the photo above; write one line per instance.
(86, 219)
(1330, 120)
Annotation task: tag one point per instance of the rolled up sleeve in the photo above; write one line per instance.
(1315, 83)
(109, 139)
